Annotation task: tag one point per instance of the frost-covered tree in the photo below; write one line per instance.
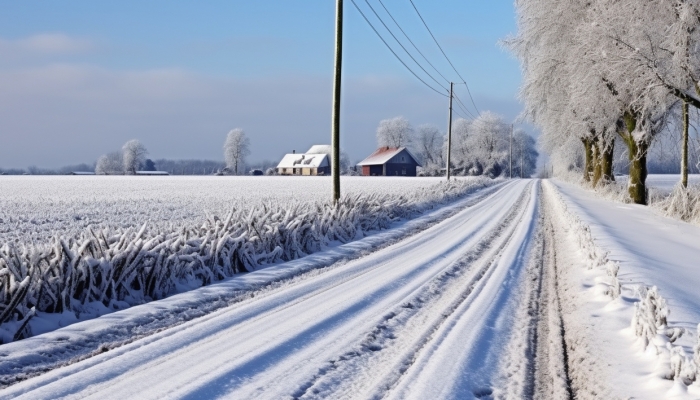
(597, 69)
(236, 149)
(110, 164)
(482, 146)
(395, 132)
(134, 155)
(429, 145)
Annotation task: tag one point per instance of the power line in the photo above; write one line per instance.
(402, 46)
(393, 52)
(470, 96)
(443, 53)
(462, 106)
(411, 41)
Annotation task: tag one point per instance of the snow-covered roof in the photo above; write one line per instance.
(82, 173)
(383, 154)
(321, 149)
(304, 161)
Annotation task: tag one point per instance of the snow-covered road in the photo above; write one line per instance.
(437, 315)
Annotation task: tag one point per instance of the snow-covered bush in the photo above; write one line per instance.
(118, 268)
(681, 367)
(683, 203)
(650, 315)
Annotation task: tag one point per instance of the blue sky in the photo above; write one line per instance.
(80, 78)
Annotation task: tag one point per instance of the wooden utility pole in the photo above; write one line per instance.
(449, 133)
(684, 149)
(510, 161)
(335, 120)
(521, 159)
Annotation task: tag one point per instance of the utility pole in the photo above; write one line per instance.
(684, 147)
(449, 133)
(510, 161)
(521, 159)
(335, 120)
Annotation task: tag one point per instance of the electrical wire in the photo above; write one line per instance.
(411, 41)
(447, 58)
(393, 52)
(402, 46)
(461, 105)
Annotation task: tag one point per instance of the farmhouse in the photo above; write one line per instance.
(387, 161)
(314, 162)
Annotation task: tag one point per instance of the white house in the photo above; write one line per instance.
(316, 161)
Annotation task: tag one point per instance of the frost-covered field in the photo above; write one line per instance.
(666, 183)
(39, 207)
(91, 246)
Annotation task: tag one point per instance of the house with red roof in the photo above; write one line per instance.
(388, 161)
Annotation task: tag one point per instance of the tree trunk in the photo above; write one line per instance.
(597, 162)
(637, 150)
(684, 148)
(588, 168)
(607, 161)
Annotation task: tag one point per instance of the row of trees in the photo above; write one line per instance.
(132, 158)
(479, 147)
(597, 72)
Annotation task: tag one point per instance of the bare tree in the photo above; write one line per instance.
(110, 164)
(134, 154)
(430, 144)
(394, 132)
(236, 148)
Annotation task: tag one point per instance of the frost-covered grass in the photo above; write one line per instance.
(76, 245)
(39, 207)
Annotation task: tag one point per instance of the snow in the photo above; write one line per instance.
(304, 161)
(274, 344)
(36, 208)
(652, 251)
(665, 182)
(521, 290)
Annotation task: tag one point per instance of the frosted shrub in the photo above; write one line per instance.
(650, 315)
(682, 203)
(615, 288)
(682, 368)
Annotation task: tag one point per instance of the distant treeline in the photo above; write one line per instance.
(173, 167)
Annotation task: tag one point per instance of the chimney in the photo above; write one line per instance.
(294, 152)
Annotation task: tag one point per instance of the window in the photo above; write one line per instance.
(403, 159)
(403, 171)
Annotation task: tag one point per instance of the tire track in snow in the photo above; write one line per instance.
(462, 356)
(389, 350)
(267, 345)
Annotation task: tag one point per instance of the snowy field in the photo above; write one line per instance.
(665, 183)
(524, 289)
(35, 208)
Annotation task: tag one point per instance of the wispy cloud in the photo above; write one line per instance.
(43, 44)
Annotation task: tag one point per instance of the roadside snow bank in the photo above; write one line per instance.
(102, 270)
(655, 337)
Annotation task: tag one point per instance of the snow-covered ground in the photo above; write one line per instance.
(665, 182)
(521, 290)
(39, 207)
(651, 250)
